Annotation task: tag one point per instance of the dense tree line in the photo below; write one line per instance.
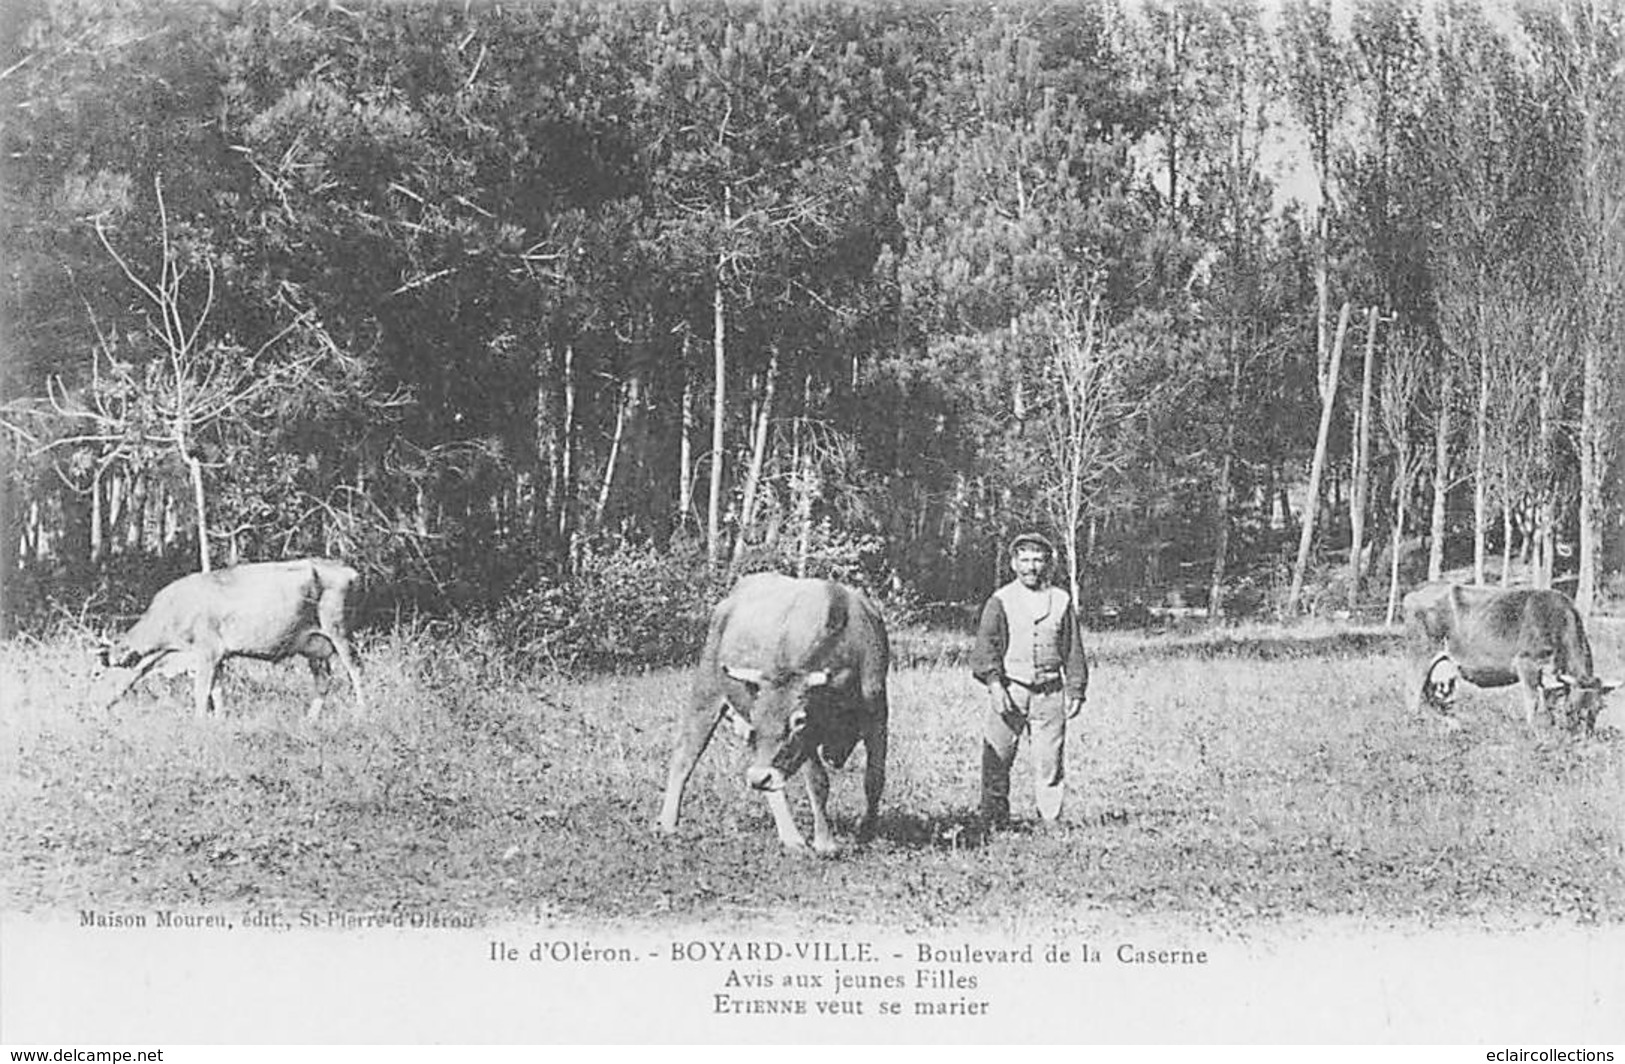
(478, 295)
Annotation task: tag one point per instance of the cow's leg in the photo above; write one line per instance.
(818, 796)
(207, 664)
(874, 767)
(1552, 689)
(693, 734)
(785, 822)
(1533, 674)
(330, 610)
(321, 671)
(352, 665)
(331, 630)
(1419, 700)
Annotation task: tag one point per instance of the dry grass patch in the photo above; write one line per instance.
(1213, 781)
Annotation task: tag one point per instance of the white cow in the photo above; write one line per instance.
(265, 610)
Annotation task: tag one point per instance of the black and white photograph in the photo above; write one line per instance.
(812, 521)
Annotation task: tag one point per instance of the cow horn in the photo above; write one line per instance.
(1553, 681)
(817, 678)
(746, 675)
(1443, 669)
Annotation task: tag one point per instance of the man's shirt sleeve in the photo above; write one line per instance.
(992, 639)
(1074, 665)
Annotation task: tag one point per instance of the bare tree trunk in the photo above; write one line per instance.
(1397, 540)
(1311, 505)
(564, 435)
(543, 479)
(195, 467)
(1074, 572)
(1223, 491)
(135, 508)
(685, 446)
(1091, 537)
(1018, 379)
(1546, 501)
(1597, 85)
(956, 526)
(118, 501)
(713, 507)
(1362, 466)
(1506, 521)
(806, 487)
(10, 543)
(1441, 475)
(1592, 472)
(1527, 516)
(1481, 471)
(97, 533)
(758, 455)
(170, 522)
(28, 533)
(601, 511)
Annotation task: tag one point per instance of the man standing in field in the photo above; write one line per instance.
(1029, 654)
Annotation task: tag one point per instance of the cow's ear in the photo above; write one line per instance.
(737, 721)
(1604, 686)
(1555, 681)
(754, 677)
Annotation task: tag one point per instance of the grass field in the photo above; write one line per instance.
(1252, 775)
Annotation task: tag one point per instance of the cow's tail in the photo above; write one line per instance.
(330, 572)
(1582, 645)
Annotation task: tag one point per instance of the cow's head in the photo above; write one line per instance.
(1439, 686)
(778, 731)
(1581, 697)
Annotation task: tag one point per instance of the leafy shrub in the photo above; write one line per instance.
(624, 605)
(855, 558)
(632, 605)
(46, 600)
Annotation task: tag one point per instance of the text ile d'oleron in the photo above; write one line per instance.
(768, 977)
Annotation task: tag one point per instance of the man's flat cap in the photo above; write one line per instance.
(1032, 539)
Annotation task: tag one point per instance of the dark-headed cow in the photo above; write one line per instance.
(799, 668)
(265, 610)
(1495, 637)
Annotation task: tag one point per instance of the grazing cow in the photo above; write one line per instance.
(799, 668)
(1494, 637)
(265, 610)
